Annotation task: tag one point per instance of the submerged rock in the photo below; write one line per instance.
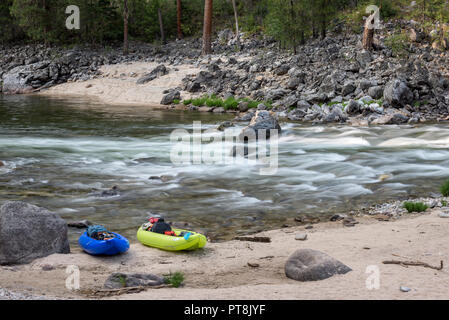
(111, 192)
(2, 164)
(312, 265)
(28, 232)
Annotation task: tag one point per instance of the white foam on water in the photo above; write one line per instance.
(414, 142)
(337, 143)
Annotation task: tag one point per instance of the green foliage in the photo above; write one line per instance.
(230, 103)
(445, 189)
(176, 101)
(290, 22)
(415, 206)
(175, 279)
(398, 43)
(444, 203)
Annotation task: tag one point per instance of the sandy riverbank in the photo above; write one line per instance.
(221, 270)
(117, 85)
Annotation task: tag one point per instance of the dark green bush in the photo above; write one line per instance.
(175, 279)
(415, 206)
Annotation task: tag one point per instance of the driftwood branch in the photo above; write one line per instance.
(253, 239)
(414, 264)
(100, 293)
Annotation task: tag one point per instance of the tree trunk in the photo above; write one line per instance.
(207, 30)
(368, 33)
(178, 14)
(161, 25)
(237, 32)
(125, 28)
(323, 28)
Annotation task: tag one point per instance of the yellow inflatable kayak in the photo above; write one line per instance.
(172, 243)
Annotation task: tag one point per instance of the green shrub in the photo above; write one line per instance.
(187, 102)
(231, 103)
(444, 203)
(445, 189)
(176, 101)
(253, 104)
(214, 102)
(175, 279)
(415, 206)
(398, 43)
(198, 102)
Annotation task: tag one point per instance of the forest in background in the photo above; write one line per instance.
(290, 22)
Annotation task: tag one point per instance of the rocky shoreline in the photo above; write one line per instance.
(327, 81)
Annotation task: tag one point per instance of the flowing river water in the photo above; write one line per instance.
(59, 152)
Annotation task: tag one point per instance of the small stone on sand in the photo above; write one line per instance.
(301, 236)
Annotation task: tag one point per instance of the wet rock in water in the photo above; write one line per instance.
(159, 71)
(224, 125)
(79, 224)
(170, 97)
(122, 280)
(313, 265)
(2, 164)
(397, 93)
(114, 191)
(262, 120)
(161, 178)
(28, 232)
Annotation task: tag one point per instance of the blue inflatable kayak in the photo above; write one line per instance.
(116, 245)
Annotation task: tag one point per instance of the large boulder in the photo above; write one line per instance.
(17, 80)
(170, 97)
(353, 108)
(28, 232)
(159, 71)
(262, 120)
(312, 265)
(397, 93)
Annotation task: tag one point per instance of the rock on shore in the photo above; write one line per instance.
(28, 232)
(312, 265)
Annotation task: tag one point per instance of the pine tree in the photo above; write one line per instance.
(207, 29)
